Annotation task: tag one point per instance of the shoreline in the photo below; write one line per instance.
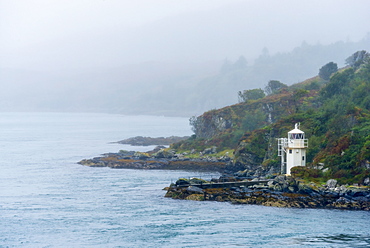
(283, 191)
(280, 191)
(137, 160)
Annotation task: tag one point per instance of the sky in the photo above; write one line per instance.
(86, 54)
(46, 35)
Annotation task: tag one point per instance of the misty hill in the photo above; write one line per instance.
(334, 114)
(159, 88)
(192, 96)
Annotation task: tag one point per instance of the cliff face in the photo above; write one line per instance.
(251, 115)
(255, 154)
(211, 124)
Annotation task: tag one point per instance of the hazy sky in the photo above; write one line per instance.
(51, 34)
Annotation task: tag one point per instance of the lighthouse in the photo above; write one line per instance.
(292, 150)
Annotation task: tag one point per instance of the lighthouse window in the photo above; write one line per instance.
(290, 151)
(296, 136)
(302, 158)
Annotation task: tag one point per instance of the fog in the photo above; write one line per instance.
(90, 55)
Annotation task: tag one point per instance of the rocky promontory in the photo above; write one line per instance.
(282, 191)
(159, 158)
(149, 141)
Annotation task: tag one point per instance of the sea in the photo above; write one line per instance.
(48, 200)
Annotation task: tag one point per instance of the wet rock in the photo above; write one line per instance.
(285, 191)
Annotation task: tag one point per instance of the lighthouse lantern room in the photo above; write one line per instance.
(292, 150)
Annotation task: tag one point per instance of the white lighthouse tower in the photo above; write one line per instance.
(292, 150)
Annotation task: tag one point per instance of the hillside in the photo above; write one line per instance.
(333, 113)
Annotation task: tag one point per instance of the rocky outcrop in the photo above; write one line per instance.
(164, 159)
(148, 141)
(210, 124)
(281, 191)
(254, 155)
(266, 110)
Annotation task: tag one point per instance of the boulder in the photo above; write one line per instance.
(331, 183)
(280, 179)
(194, 189)
(367, 181)
(141, 155)
(195, 180)
(182, 181)
(304, 189)
(211, 150)
(164, 153)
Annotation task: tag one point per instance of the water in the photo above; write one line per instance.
(47, 200)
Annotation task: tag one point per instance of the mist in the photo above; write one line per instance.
(112, 56)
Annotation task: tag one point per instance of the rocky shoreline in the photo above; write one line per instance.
(282, 191)
(160, 159)
(149, 141)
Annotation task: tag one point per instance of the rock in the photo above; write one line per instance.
(331, 183)
(341, 190)
(194, 189)
(305, 197)
(156, 149)
(325, 170)
(148, 141)
(367, 181)
(195, 197)
(195, 180)
(211, 150)
(164, 153)
(243, 173)
(270, 184)
(141, 155)
(292, 189)
(280, 179)
(304, 189)
(182, 181)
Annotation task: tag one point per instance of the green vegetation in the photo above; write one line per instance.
(274, 87)
(334, 114)
(253, 94)
(327, 70)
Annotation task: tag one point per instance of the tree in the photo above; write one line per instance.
(338, 84)
(273, 86)
(194, 123)
(253, 94)
(241, 63)
(327, 70)
(357, 59)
